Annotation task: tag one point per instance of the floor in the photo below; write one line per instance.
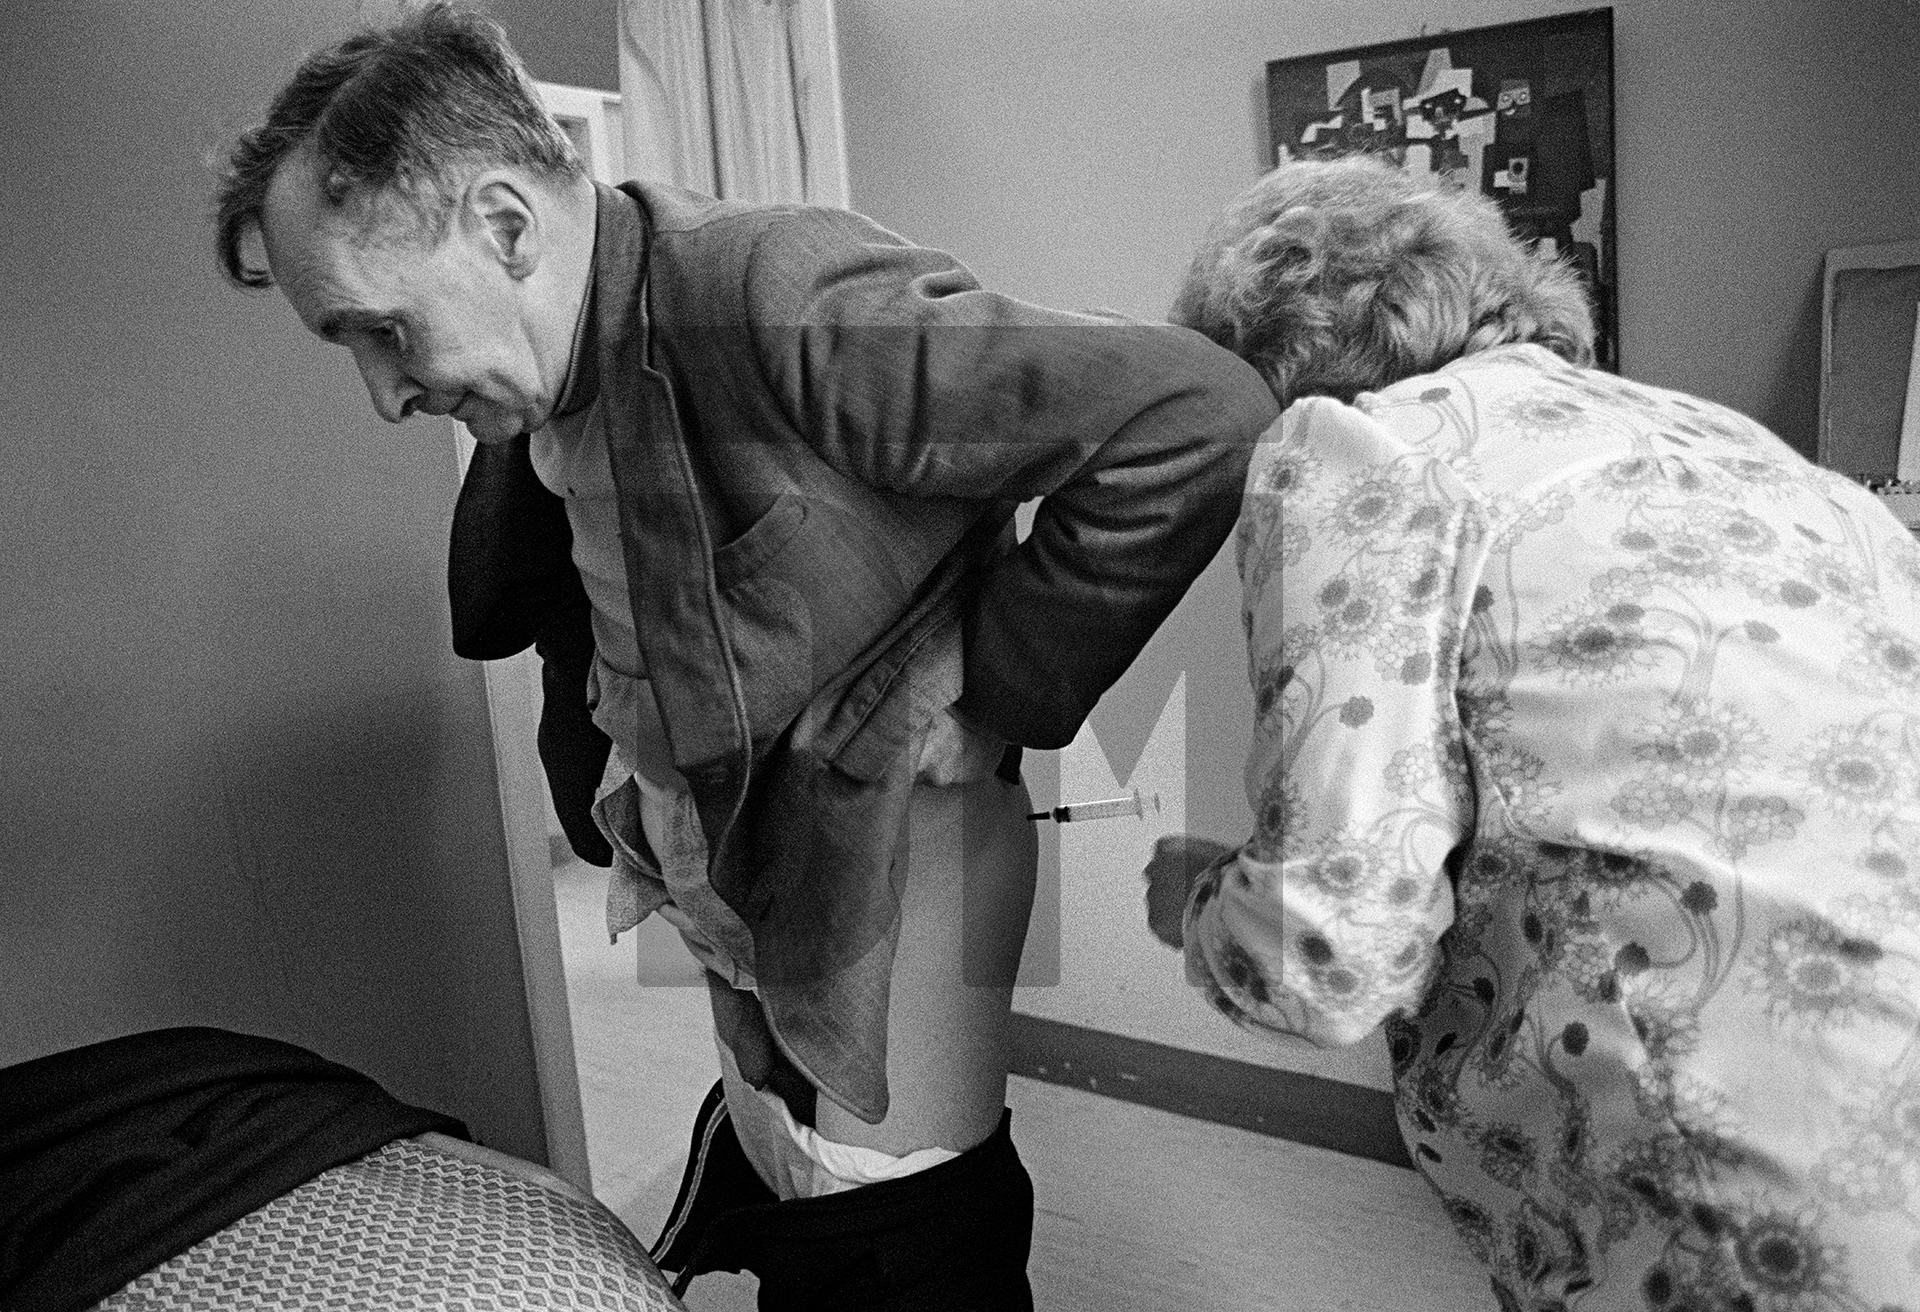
(1137, 1209)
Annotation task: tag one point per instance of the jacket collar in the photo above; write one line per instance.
(663, 529)
(583, 361)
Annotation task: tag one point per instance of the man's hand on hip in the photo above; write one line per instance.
(952, 754)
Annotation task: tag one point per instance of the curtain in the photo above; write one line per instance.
(736, 98)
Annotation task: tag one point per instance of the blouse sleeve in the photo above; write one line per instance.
(1358, 559)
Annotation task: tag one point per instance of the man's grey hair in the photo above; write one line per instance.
(403, 113)
(1335, 277)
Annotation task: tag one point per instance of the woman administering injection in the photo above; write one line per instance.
(1586, 757)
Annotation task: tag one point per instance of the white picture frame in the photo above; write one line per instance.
(591, 120)
(1869, 396)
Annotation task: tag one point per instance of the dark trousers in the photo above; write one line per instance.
(952, 1238)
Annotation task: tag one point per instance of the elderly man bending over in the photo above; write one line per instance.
(746, 477)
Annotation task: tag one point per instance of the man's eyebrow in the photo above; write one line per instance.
(340, 321)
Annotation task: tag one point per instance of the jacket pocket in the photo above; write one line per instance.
(749, 553)
(805, 593)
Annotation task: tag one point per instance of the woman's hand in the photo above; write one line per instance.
(1177, 860)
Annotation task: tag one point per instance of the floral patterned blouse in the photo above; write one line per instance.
(1588, 759)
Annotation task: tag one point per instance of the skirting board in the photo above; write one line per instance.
(1307, 1109)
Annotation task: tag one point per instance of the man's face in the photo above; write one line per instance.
(435, 327)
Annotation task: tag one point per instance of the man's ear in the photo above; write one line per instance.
(497, 210)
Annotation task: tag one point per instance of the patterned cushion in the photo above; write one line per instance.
(410, 1227)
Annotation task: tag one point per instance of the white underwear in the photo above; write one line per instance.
(794, 1160)
(800, 1161)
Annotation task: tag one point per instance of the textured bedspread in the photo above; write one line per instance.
(412, 1226)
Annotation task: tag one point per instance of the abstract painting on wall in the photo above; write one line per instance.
(1522, 112)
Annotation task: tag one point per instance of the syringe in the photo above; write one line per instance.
(1133, 805)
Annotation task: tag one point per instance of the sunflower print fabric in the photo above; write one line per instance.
(1587, 759)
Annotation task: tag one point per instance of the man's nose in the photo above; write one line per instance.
(395, 395)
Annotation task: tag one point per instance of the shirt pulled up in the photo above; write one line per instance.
(655, 816)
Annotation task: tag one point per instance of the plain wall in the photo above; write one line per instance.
(572, 42)
(1073, 152)
(243, 780)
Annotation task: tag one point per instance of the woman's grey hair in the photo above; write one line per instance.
(403, 113)
(1335, 277)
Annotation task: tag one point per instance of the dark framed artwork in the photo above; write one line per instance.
(1522, 112)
